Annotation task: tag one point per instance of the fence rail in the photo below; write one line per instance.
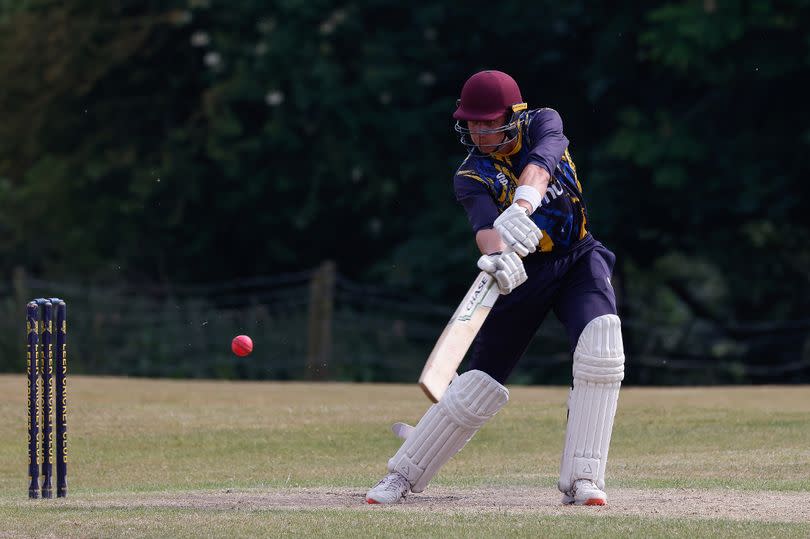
(319, 325)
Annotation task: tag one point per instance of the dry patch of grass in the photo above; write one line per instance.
(152, 438)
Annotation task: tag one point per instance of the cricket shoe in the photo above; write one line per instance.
(391, 489)
(584, 492)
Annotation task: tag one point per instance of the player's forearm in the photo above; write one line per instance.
(489, 241)
(536, 177)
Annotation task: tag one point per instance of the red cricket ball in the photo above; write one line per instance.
(242, 345)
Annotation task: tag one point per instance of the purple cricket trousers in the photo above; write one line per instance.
(575, 283)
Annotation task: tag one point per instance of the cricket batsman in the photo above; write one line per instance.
(520, 190)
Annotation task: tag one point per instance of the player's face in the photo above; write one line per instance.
(487, 143)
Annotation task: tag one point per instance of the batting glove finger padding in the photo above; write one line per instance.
(487, 263)
(518, 230)
(507, 268)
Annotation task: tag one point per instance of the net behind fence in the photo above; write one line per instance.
(308, 325)
(319, 325)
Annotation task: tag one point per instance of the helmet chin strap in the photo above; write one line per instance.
(501, 145)
(497, 147)
(509, 133)
(504, 141)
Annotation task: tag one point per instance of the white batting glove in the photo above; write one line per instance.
(507, 268)
(517, 230)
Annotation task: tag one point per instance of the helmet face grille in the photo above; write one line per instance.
(511, 129)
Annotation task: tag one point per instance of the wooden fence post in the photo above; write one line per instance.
(21, 292)
(319, 334)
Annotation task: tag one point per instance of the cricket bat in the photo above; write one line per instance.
(457, 336)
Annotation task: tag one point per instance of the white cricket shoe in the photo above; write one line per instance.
(391, 489)
(584, 492)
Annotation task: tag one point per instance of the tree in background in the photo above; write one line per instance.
(200, 140)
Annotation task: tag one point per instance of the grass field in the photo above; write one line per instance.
(158, 458)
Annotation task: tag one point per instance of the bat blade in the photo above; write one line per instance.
(457, 336)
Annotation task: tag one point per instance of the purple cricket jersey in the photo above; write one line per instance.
(485, 184)
(569, 273)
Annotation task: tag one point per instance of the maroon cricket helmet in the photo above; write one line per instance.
(487, 95)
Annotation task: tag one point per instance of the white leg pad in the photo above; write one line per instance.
(598, 373)
(470, 401)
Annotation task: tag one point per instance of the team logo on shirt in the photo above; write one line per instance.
(501, 177)
(553, 191)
